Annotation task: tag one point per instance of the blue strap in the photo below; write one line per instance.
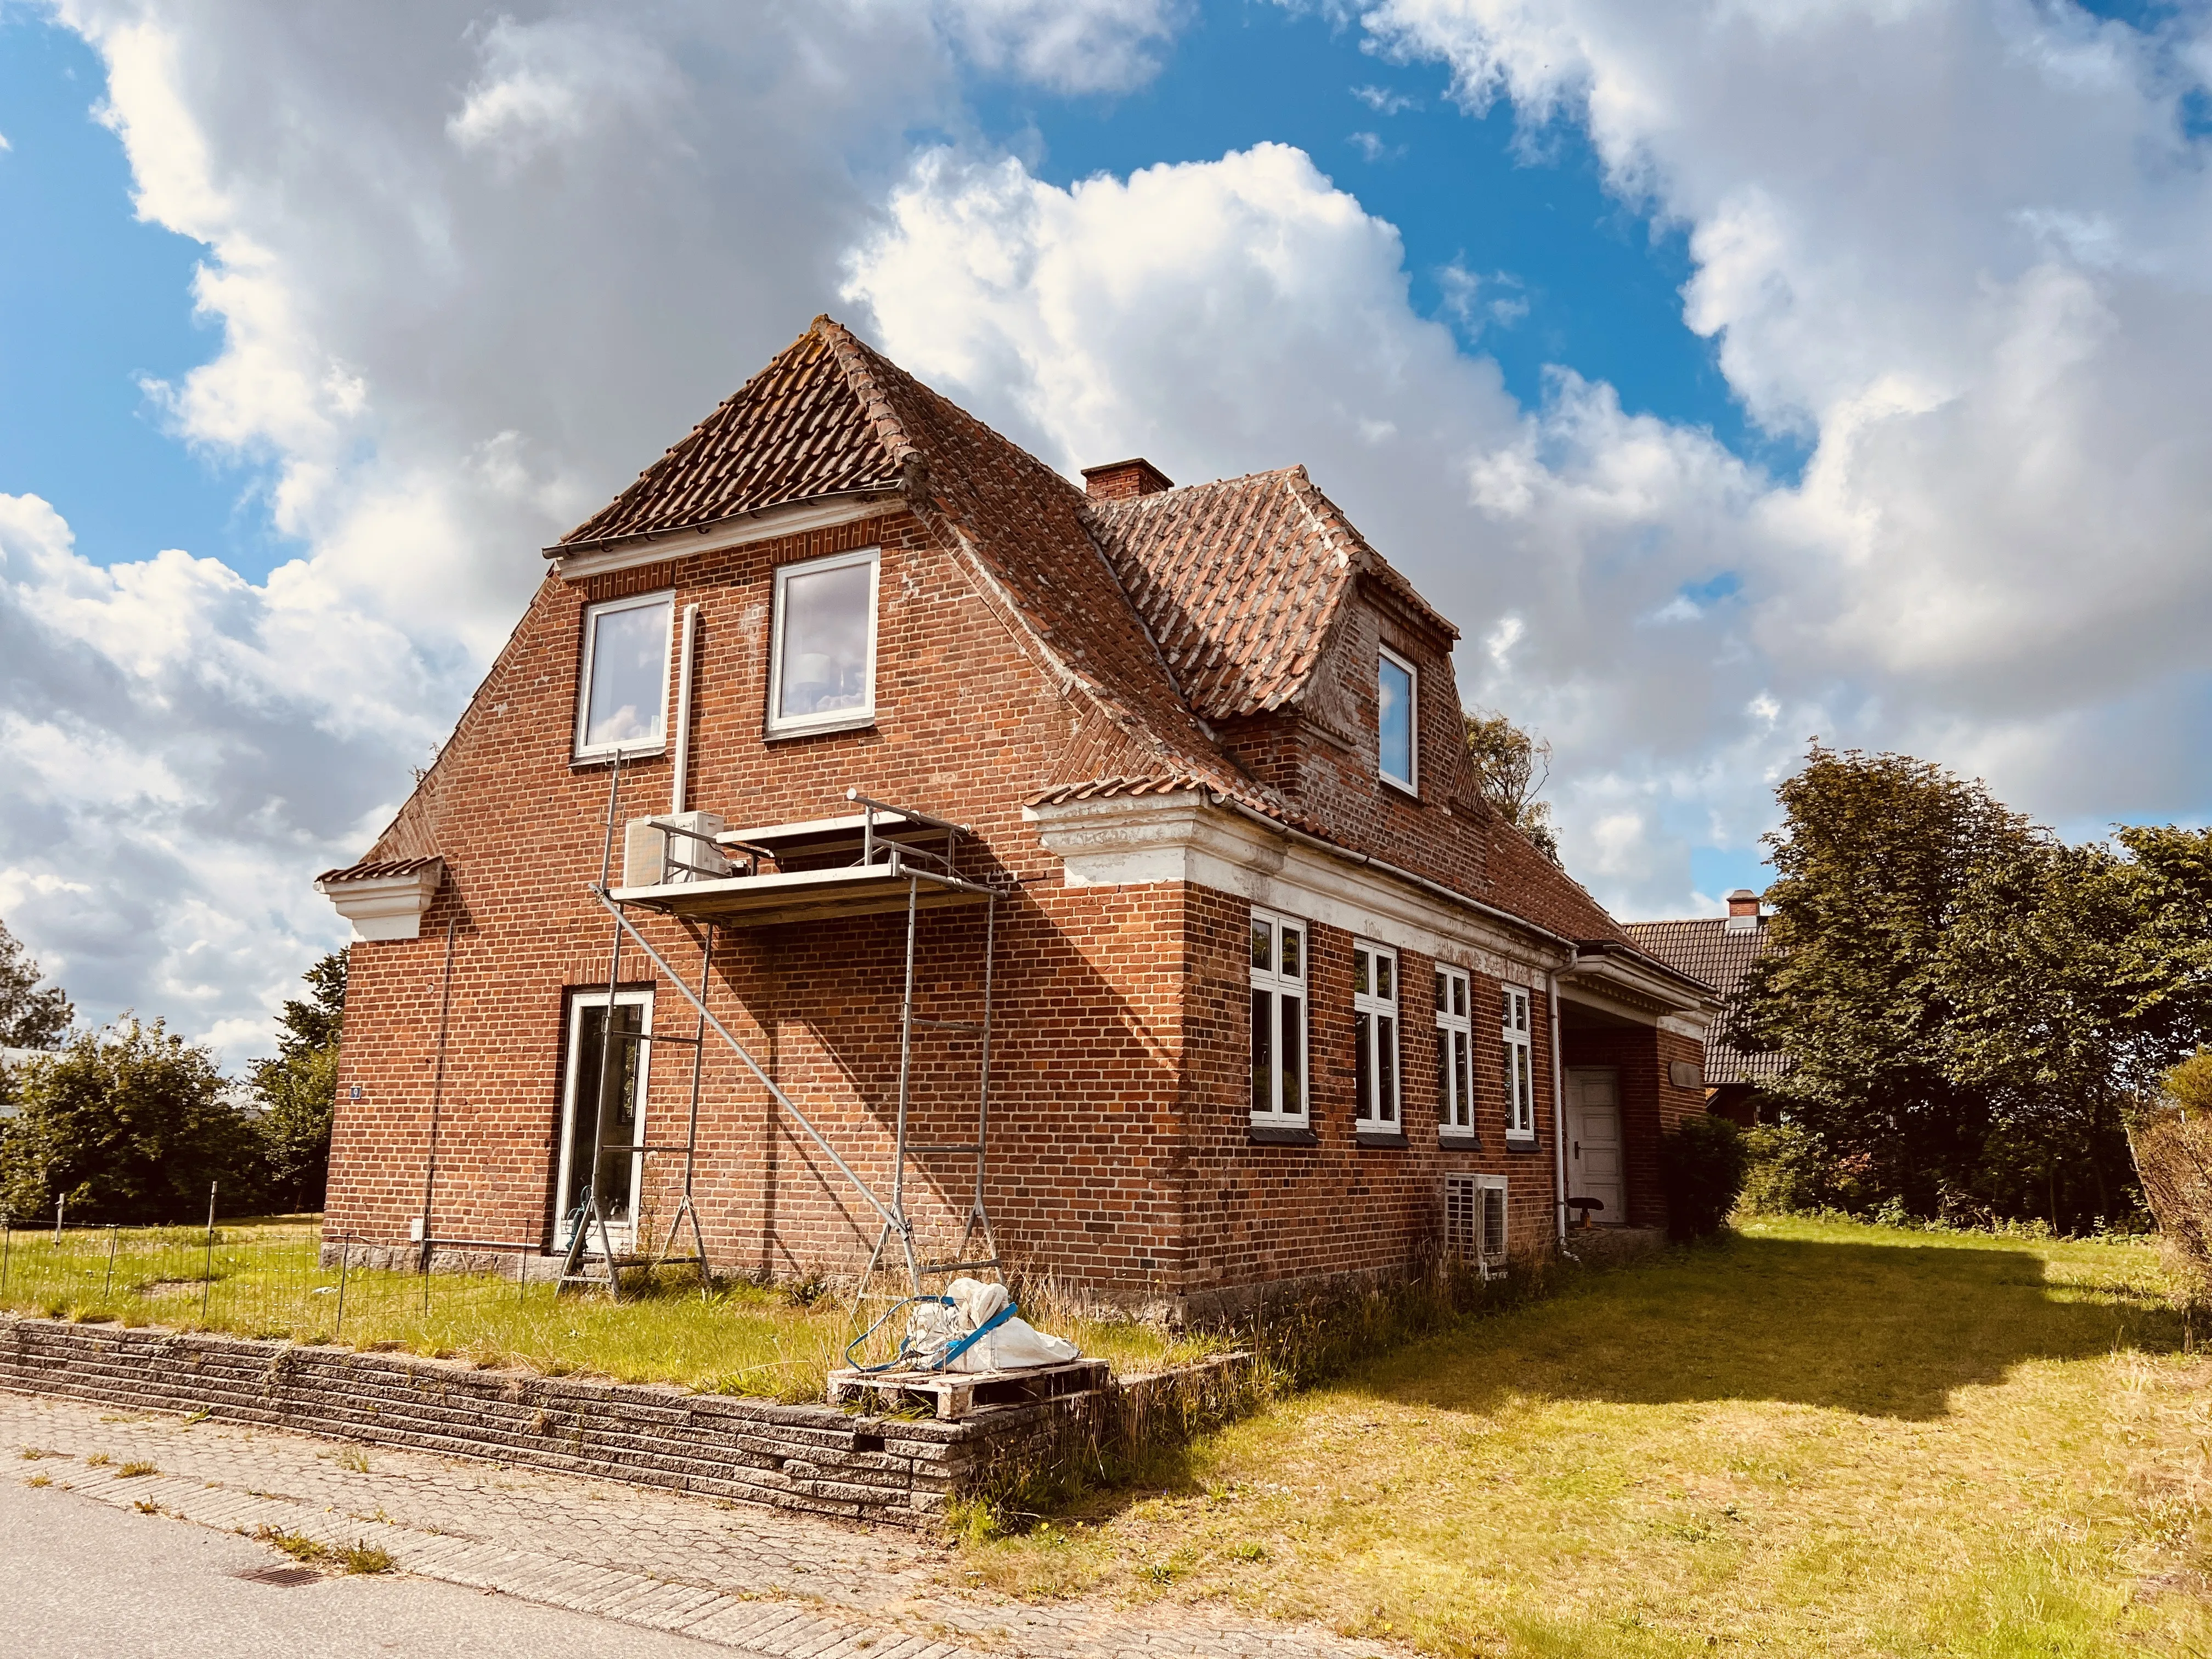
(898, 1358)
(976, 1335)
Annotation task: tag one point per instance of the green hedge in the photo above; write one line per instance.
(1701, 1166)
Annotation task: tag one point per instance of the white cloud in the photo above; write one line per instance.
(1070, 45)
(470, 273)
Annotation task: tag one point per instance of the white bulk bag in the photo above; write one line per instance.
(936, 1327)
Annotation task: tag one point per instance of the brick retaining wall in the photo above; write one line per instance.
(799, 1457)
(815, 1458)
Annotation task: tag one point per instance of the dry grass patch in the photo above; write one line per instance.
(1812, 1439)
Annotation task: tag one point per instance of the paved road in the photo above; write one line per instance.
(80, 1579)
(586, 1552)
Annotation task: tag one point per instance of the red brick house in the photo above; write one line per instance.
(1719, 951)
(1203, 908)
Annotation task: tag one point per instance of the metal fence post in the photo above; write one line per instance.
(114, 1236)
(58, 1205)
(345, 1257)
(207, 1279)
(7, 1238)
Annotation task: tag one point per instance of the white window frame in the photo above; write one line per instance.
(1455, 997)
(564, 1191)
(1373, 1114)
(1516, 1032)
(1274, 984)
(1411, 785)
(583, 751)
(780, 725)
(1472, 1204)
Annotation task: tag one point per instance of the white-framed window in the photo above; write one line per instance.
(1397, 720)
(1374, 1035)
(1520, 1067)
(1474, 1218)
(621, 1173)
(621, 695)
(1279, 968)
(822, 654)
(1455, 1055)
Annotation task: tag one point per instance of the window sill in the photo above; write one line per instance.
(1521, 1143)
(1411, 792)
(1388, 1138)
(1459, 1140)
(588, 763)
(1281, 1134)
(816, 729)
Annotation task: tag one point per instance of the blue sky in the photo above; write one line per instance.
(1929, 472)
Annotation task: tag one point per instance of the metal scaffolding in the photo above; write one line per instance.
(898, 867)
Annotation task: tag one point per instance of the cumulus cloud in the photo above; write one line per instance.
(469, 274)
(1953, 248)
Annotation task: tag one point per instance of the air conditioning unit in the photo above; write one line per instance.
(1474, 1219)
(672, 849)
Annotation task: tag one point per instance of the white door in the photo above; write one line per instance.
(1593, 1160)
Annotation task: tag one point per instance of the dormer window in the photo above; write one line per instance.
(822, 668)
(622, 697)
(1397, 686)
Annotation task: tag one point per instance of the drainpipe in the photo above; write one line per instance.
(683, 714)
(1558, 1116)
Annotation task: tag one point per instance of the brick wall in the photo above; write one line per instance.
(1119, 1158)
(1651, 1104)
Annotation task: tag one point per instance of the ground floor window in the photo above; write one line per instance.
(1455, 1055)
(1520, 1067)
(1474, 1218)
(591, 1071)
(1375, 1026)
(1279, 1020)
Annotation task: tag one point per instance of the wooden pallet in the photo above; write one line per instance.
(954, 1394)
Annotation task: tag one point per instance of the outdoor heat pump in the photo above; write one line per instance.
(673, 847)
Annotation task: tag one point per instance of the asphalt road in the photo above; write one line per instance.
(79, 1580)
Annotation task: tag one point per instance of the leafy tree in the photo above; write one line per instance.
(129, 1124)
(30, 1017)
(296, 1092)
(1510, 768)
(1879, 859)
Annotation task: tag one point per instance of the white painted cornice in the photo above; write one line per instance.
(790, 519)
(387, 907)
(1620, 987)
(1139, 840)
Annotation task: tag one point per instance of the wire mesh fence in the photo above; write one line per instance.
(285, 1278)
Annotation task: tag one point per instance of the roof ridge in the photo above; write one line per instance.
(852, 357)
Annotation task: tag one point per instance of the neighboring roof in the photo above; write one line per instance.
(376, 869)
(1707, 948)
(1241, 582)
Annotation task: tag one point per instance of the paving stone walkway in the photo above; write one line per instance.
(758, 1580)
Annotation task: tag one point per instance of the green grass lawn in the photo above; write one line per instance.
(264, 1279)
(1818, 1439)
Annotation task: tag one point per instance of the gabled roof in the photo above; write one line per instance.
(793, 433)
(1241, 582)
(831, 416)
(1707, 948)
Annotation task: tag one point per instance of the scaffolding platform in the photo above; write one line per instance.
(951, 1395)
(773, 898)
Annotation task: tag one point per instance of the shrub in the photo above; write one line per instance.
(1789, 1171)
(129, 1124)
(1701, 1167)
(2173, 1144)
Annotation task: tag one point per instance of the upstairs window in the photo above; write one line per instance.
(1396, 687)
(621, 696)
(1520, 1068)
(822, 667)
(1455, 1055)
(1279, 1021)
(1375, 1028)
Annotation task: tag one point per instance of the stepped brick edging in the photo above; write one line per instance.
(814, 1458)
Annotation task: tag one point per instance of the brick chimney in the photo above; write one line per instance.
(1743, 910)
(1120, 481)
